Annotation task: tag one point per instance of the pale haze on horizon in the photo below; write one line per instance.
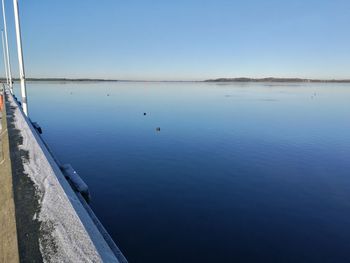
(183, 40)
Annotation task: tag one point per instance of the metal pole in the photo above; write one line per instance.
(20, 59)
(7, 47)
(4, 51)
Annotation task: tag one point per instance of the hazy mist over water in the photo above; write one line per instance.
(239, 172)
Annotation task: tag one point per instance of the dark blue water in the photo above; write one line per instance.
(237, 172)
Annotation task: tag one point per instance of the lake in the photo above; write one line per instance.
(207, 172)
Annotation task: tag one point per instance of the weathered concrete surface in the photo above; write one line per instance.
(25, 197)
(8, 232)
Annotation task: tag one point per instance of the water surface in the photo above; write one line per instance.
(237, 173)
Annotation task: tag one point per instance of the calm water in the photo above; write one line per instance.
(237, 172)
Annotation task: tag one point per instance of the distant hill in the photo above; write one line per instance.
(278, 80)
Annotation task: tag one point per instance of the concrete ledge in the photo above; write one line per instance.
(8, 232)
(66, 232)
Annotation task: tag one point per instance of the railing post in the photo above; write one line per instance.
(3, 50)
(20, 58)
(7, 48)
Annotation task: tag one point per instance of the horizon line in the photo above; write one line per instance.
(222, 79)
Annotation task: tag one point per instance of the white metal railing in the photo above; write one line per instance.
(6, 52)
(20, 58)
(10, 83)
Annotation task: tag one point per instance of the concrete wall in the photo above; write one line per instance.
(61, 223)
(42, 219)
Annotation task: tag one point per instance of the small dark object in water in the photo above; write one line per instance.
(144, 113)
(37, 127)
(107, 95)
(158, 129)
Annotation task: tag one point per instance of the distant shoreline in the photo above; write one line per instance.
(294, 80)
(219, 80)
(94, 80)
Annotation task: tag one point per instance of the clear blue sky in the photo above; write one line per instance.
(183, 39)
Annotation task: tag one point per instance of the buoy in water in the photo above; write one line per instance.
(158, 129)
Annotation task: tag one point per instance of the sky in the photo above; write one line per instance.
(182, 39)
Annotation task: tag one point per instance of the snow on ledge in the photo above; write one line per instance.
(73, 234)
